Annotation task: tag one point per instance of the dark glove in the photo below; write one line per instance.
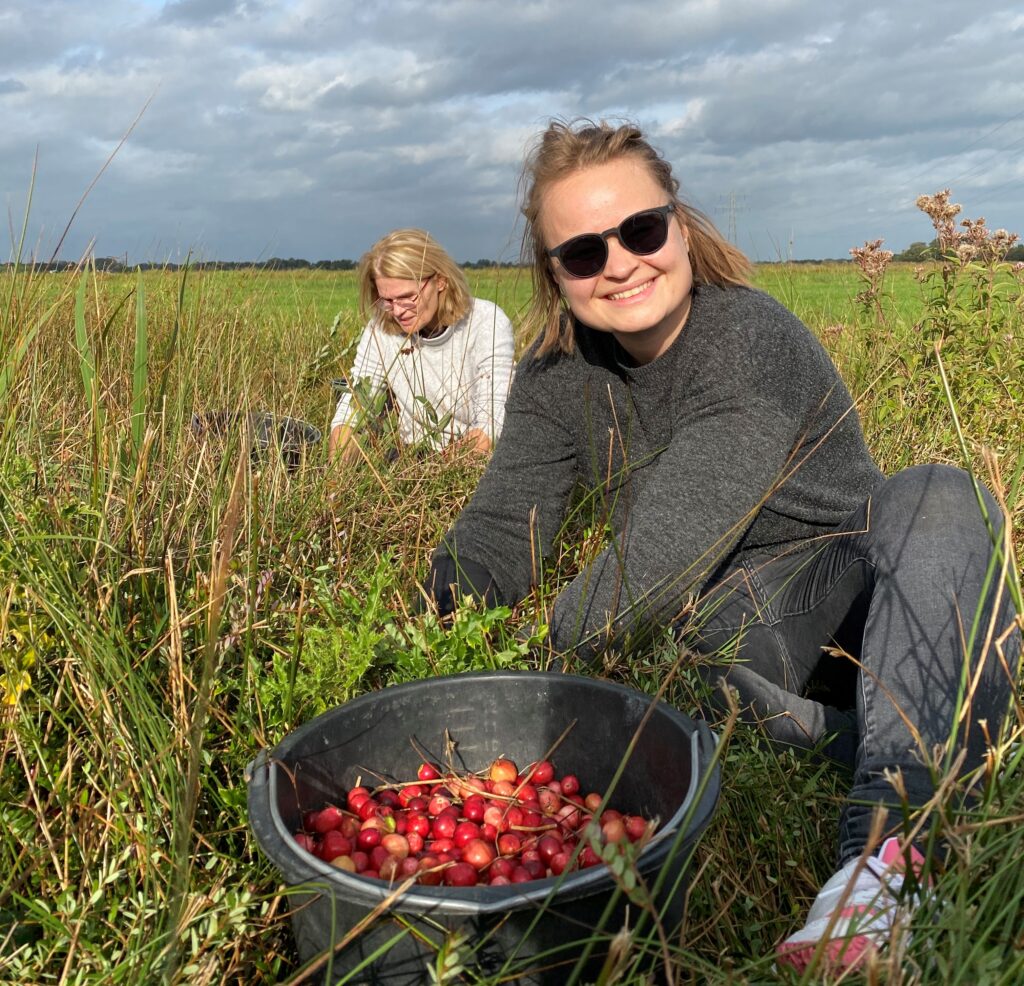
(449, 581)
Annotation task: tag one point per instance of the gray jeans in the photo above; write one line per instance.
(896, 586)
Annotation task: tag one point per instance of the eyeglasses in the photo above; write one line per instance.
(641, 233)
(405, 304)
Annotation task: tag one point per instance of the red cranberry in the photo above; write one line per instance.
(541, 772)
(527, 793)
(395, 845)
(503, 769)
(335, 844)
(367, 839)
(437, 804)
(493, 815)
(614, 830)
(328, 819)
(478, 853)
(429, 873)
(473, 808)
(464, 832)
(407, 793)
(550, 801)
(389, 798)
(549, 846)
(460, 875)
(535, 868)
(570, 784)
(509, 843)
(560, 862)
(389, 868)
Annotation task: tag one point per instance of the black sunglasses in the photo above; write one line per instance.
(641, 233)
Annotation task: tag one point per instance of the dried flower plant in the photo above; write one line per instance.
(872, 262)
(942, 213)
(974, 242)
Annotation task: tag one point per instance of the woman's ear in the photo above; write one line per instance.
(442, 283)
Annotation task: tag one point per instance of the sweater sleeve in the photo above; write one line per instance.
(370, 365)
(520, 503)
(494, 349)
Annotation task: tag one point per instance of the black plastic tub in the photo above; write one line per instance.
(267, 434)
(528, 933)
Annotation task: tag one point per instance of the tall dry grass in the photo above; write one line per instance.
(169, 605)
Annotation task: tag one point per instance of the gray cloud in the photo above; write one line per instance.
(201, 11)
(310, 127)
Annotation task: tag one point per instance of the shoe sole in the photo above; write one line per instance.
(836, 953)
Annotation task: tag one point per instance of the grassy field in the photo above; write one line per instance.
(166, 612)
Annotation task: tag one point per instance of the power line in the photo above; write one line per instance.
(852, 207)
(963, 150)
(732, 204)
(981, 167)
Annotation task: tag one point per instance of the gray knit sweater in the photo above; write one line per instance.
(740, 440)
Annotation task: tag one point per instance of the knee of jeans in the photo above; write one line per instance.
(936, 500)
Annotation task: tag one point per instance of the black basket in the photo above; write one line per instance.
(529, 933)
(266, 433)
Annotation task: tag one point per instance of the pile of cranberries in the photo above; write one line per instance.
(499, 827)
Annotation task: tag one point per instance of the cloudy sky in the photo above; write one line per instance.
(308, 128)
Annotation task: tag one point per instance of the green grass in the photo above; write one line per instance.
(824, 293)
(166, 612)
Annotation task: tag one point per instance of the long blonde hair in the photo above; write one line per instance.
(566, 148)
(412, 255)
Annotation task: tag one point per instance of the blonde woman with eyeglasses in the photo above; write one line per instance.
(443, 357)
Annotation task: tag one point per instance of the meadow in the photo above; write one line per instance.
(168, 608)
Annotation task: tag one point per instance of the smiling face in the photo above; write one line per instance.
(413, 304)
(643, 301)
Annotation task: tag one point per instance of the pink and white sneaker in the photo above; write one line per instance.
(854, 913)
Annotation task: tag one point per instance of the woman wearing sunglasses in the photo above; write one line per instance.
(442, 357)
(745, 509)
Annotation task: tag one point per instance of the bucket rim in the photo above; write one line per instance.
(697, 806)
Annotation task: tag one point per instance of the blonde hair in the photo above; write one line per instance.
(411, 255)
(566, 148)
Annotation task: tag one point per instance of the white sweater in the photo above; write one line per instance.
(443, 386)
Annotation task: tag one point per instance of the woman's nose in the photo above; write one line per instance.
(621, 263)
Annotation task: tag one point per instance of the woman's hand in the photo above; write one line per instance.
(342, 446)
(475, 441)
